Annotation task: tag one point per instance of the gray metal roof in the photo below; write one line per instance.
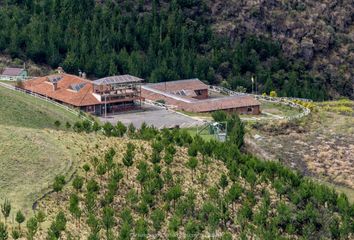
(117, 80)
(12, 71)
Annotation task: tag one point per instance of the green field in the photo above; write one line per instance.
(19, 109)
(205, 135)
(278, 109)
(8, 82)
(31, 154)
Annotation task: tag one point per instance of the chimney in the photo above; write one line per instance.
(60, 70)
(55, 86)
(83, 75)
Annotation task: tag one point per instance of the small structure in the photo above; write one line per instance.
(192, 95)
(14, 74)
(101, 97)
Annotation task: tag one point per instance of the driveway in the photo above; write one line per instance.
(155, 116)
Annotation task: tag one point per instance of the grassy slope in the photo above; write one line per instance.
(18, 109)
(322, 149)
(29, 160)
(26, 151)
(278, 109)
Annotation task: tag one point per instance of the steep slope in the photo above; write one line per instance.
(289, 47)
(321, 33)
(130, 188)
(20, 109)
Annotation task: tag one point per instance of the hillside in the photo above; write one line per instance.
(29, 149)
(19, 109)
(148, 183)
(289, 47)
(320, 146)
(145, 189)
(319, 33)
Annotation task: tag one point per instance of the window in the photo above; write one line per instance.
(90, 108)
(249, 109)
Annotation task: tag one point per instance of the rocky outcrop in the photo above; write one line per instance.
(321, 33)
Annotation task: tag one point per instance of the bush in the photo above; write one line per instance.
(78, 127)
(120, 129)
(57, 123)
(273, 94)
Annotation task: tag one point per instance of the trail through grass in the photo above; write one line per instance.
(29, 161)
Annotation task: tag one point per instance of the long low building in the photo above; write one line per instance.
(192, 95)
(99, 97)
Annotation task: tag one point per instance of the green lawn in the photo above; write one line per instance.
(13, 83)
(19, 109)
(205, 135)
(278, 109)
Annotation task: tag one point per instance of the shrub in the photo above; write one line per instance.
(120, 129)
(273, 94)
(87, 126)
(57, 123)
(78, 127)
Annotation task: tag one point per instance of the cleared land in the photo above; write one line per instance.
(278, 109)
(30, 155)
(29, 161)
(321, 146)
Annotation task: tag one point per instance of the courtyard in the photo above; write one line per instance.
(153, 116)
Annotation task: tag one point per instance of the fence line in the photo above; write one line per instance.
(33, 94)
(282, 100)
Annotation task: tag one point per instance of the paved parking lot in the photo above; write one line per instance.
(155, 116)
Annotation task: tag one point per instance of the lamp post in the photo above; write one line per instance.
(105, 106)
(252, 79)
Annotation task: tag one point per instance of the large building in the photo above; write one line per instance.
(193, 96)
(103, 96)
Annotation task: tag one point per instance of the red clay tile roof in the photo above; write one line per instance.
(224, 103)
(12, 71)
(64, 92)
(174, 86)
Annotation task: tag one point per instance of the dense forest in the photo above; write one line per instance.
(157, 41)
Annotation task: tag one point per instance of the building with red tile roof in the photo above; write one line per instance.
(193, 96)
(97, 97)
